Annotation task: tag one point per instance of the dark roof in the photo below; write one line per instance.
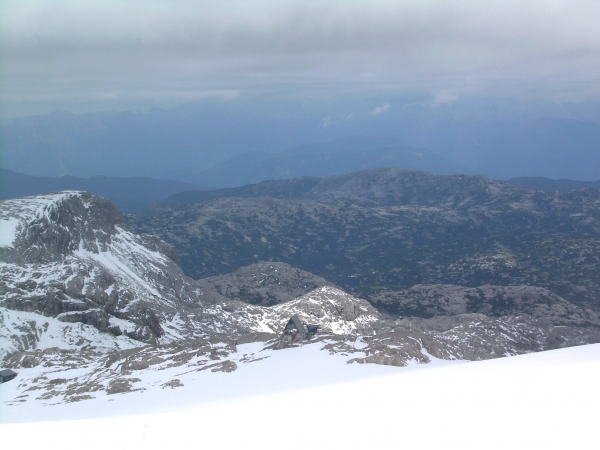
(7, 372)
(296, 322)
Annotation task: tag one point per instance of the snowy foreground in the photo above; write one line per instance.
(305, 398)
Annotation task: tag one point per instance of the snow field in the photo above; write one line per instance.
(544, 400)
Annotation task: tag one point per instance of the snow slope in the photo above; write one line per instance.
(543, 400)
(20, 330)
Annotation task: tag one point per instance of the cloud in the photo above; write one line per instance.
(141, 49)
(444, 97)
(380, 109)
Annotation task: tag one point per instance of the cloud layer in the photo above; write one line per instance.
(109, 52)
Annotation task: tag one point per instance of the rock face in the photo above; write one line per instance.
(264, 283)
(390, 229)
(25, 331)
(333, 310)
(71, 256)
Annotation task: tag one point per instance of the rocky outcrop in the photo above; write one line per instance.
(473, 338)
(334, 310)
(264, 283)
(71, 256)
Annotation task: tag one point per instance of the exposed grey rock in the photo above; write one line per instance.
(121, 386)
(173, 384)
(264, 283)
(478, 339)
(493, 301)
(115, 371)
(334, 310)
(73, 258)
(222, 366)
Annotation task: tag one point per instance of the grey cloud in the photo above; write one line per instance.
(182, 49)
(380, 109)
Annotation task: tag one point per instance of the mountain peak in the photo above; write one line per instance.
(58, 223)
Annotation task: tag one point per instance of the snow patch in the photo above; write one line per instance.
(8, 231)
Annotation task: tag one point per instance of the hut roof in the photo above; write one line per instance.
(295, 322)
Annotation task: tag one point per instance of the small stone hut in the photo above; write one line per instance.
(7, 375)
(296, 331)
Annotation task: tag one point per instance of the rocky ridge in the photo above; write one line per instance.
(69, 255)
(492, 301)
(264, 283)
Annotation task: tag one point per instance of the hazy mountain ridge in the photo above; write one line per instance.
(336, 158)
(495, 137)
(293, 188)
(545, 146)
(130, 195)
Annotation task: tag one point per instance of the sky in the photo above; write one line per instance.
(132, 55)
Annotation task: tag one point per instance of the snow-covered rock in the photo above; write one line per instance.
(22, 331)
(71, 257)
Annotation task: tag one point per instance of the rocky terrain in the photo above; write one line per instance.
(90, 307)
(386, 230)
(493, 301)
(58, 375)
(264, 283)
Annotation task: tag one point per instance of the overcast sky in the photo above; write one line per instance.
(95, 55)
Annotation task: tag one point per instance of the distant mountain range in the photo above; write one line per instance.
(297, 187)
(499, 139)
(322, 160)
(139, 194)
(129, 194)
